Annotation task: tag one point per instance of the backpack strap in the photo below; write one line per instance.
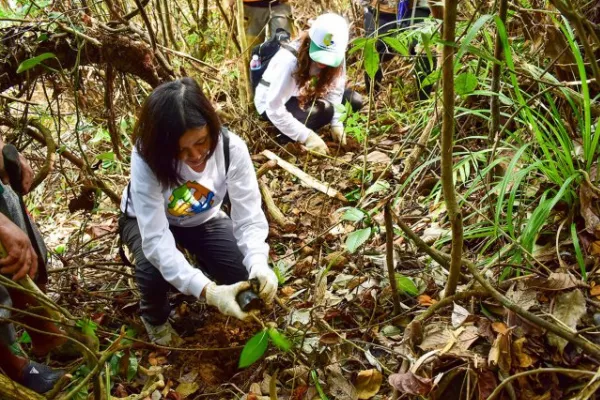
(288, 48)
(225, 136)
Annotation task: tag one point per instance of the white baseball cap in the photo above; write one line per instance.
(328, 39)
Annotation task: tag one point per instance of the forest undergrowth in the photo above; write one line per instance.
(362, 242)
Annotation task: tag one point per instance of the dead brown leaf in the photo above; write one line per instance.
(336, 260)
(595, 290)
(500, 353)
(459, 315)
(368, 383)
(500, 327)
(569, 307)
(339, 387)
(426, 300)
(589, 209)
(556, 281)
(523, 359)
(409, 383)
(486, 383)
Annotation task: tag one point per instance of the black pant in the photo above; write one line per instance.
(317, 114)
(386, 23)
(213, 245)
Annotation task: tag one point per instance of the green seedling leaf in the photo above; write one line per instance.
(132, 368)
(379, 186)
(108, 156)
(315, 379)
(397, 45)
(357, 238)
(254, 349)
(465, 83)
(406, 285)
(371, 58)
(114, 363)
(578, 252)
(32, 62)
(87, 326)
(25, 338)
(353, 214)
(279, 339)
(60, 249)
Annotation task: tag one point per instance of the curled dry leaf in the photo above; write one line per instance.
(526, 299)
(595, 290)
(523, 359)
(500, 327)
(556, 281)
(500, 354)
(425, 300)
(588, 198)
(368, 383)
(413, 334)
(459, 315)
(569, 307)
(409, 383)
(339, 387)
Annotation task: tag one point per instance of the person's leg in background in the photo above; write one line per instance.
(256, 20)
(423, 65)
(281, 18)
(37, 377)
(354, 98)
(313, 116)
(379, 26)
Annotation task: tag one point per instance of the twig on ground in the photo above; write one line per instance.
(304, 177)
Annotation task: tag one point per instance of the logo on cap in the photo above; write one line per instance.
(328, 40)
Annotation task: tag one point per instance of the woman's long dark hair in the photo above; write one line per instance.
(170, 110)
(310, 91)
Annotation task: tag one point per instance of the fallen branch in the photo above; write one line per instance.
(266, 167)
(305, 178)
(273, 210)
(389, 247)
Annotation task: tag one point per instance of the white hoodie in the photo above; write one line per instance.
(282, 86)
(196, 201)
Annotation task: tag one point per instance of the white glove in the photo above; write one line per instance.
(316, 144)
(338, 134)
(223, 298)
(268, 281)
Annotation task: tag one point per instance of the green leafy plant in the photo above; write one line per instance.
(283, 271)
(258, 344)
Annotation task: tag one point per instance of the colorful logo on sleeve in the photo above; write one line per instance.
(189, 199)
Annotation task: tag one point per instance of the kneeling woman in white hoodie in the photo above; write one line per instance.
(304, 84)
(181, 172)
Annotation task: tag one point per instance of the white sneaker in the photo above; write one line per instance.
(163, 335)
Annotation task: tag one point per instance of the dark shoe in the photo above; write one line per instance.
(39, 377)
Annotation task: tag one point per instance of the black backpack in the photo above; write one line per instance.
(265, 52)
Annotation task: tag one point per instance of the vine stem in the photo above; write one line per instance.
(447, 145)
(505, 382)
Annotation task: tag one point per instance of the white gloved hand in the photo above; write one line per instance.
(268, 281)
(223, 298)
(338, 134)
(316, 144)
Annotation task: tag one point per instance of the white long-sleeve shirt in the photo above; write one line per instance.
(193, 203)
(283, 86)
